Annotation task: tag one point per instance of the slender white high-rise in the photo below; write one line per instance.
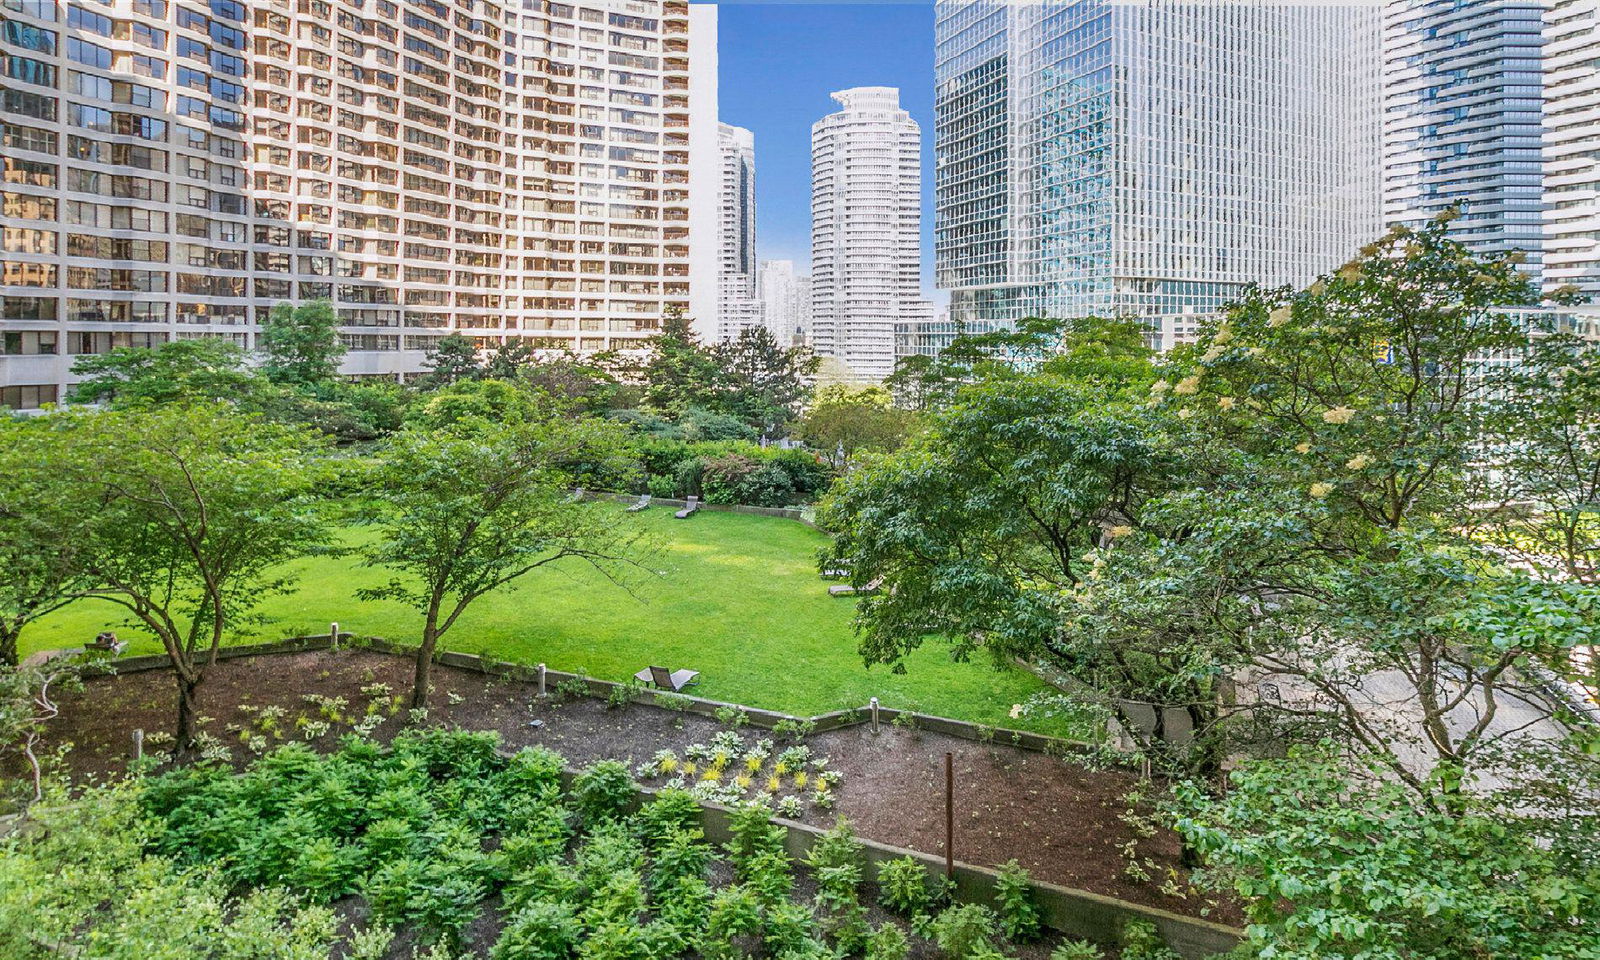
(1572, 146)
(866, 218)
(737, 305)
(1150, 159)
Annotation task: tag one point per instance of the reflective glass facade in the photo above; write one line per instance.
(1147, 160)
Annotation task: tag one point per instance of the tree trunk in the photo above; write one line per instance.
(430, 638)
(188, 714)
(9, 633)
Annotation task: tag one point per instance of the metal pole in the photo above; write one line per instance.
(333, 633)
(873, 704)
(541, 679)
(949, 816)
(138, 744)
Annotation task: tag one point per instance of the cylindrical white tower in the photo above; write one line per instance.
(866, 188)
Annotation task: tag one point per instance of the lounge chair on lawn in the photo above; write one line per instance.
(845, 590)
(688, 508)
(642, 503)
(675, 680)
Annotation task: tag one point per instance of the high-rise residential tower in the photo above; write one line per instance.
(785, 301)
(866, 217)
(174, 168)
(737, 304)
(1462, 119)
(1148, 160)
(1572, 146)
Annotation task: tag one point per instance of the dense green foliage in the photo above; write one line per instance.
(1359, 869)
(301, 345)
(84, 880)
(442, 837)
(1286, 533)
(477, 505)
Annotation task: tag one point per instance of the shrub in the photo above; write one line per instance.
(889, 942)
(735, 912)
(963, 930)
(790, 928)
(682, 857)
(904, 886)
(542, 930)
(752, 833)
(1076, 950)
(1013, 896)
(1142, 941)
(672, 812)
(604, 790)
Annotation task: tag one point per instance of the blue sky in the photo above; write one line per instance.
(779, 62)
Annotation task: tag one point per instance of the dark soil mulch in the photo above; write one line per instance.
(1058, 819)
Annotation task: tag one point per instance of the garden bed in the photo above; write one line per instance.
(1061, 821)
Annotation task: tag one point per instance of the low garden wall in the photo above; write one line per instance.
(1076, 913)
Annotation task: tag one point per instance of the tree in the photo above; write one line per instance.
(468, 511)
(1334, 860)
(26, 705)
(1546, 443)
(302, 345)
(678, 372)
(41, 520)
(509, 359)
(206, 369)
(451, 359)
(193, 510)
(852, 420)
(978, 527)
(764, 383)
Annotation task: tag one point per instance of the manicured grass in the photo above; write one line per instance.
(739, 600)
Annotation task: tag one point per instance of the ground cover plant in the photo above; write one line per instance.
(740, 601)
(437, 844)
(730, 770)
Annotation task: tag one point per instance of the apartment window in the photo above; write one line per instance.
(29, 70)
(25, 206)
(39, 309)
(80, 19)
(28, 343)
(29, 104)
(27, 397)
(28, 240)
(28, 37)
(89, 54)
(21, 273)
(37, 9)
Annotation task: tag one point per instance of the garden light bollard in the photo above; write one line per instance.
(873, 706)
(333, 634)
(541, 679)
(138, 744)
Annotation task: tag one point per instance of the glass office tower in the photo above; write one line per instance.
(1148, 160)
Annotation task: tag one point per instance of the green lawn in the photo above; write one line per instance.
(739, 600)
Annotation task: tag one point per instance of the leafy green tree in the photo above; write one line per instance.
(1546, 443)
(474, 401)
(193, 510)
(509, 359)
(1334, 860)
(979, 526)
(207, 369)
(586, 382)
(764, 383)
(853, 420)
(302, 345)
(679, 372)
(468, 511)
(41, 524)
(452, 359)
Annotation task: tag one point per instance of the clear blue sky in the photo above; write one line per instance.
(779, 62)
